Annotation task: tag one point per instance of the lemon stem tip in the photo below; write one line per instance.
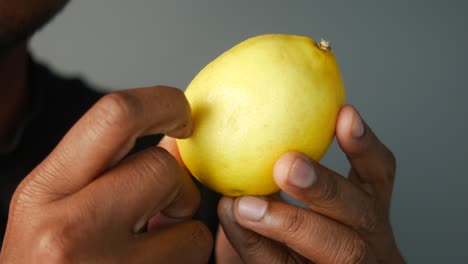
(324, 45)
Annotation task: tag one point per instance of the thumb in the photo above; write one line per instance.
(250, 246)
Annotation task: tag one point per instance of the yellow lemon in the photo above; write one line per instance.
(268, 95)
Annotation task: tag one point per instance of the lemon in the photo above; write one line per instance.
(267, 95)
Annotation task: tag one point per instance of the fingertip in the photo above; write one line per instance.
(170, 144)
(183, 130)
(225, 206)
(184, 127)
(188, 124)
(166, 142)
(344, 121)
(250, 208)
(296, 170)
(350, 127)
(282, 167)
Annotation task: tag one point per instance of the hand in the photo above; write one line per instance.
(346, 219)
(83, 203)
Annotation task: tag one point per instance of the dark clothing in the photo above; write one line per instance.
(56, 104)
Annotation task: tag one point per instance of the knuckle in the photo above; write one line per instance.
(329, 191)
(371, 218)
(54, 245)
(116, 110)
(35, 188)
(22, 200)
(259, 247)
(293, 223)
(392, 164)
(387, 164)
(254, 244)
(357, 252)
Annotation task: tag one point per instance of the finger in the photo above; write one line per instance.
(187, 242)
(160, 221)
(312, 235)
(224, 251)
(140, 187)
(107, 132)
(326, 192)
(371, 160)
(248, 246)
(170, 145)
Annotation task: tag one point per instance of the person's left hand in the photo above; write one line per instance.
(346, 219)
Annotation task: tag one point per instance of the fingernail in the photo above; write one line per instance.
(302, 174)
(252, 208)
(357, 129)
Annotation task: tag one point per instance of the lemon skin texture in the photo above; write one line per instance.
(266, 96)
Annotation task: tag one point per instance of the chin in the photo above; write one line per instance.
(19, 19)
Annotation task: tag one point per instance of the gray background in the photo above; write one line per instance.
(404, 64)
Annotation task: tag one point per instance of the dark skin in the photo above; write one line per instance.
(69, 208)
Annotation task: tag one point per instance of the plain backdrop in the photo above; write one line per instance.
(404, 64)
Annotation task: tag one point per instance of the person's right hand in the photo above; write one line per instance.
(83, 203)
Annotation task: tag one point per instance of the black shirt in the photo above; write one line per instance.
(55, 105)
